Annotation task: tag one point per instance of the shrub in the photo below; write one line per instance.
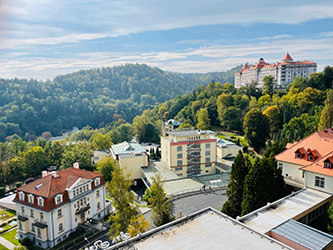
(26, 242)
(18, 184)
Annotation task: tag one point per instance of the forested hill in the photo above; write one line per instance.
(91, 97)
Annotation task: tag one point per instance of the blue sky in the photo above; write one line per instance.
(44, 38)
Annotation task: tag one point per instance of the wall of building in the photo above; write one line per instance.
(291, 171)
(165, 151)
(310, 181)
(231, 151)
(133, 164)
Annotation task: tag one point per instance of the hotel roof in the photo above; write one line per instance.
(127, 148)
(318, 166)
(191, 132)
(321, 141)
(270, 216)
(205, 229)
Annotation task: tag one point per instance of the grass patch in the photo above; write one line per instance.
(234, 138)
(5, 215)
(2, 247)
(10, 236)
(140, 205)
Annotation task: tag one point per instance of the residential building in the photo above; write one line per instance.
(302, 159)
(190, 152)
(50, 208)
(169, 126)
(100, 155)
(205, 230)
(131, 157)
(227, 149)
(283, 72)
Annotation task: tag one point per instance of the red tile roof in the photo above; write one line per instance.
(287, 57)
(320, 143)
(319, 166)
(49, 186)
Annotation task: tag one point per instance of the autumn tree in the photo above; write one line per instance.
(203, 119)
(239, 170)
(101, 142)
(161, 206)
(256, 128)
(274, 117)
(326, 118)
(123, 201)
(106, 167)
(138, 225)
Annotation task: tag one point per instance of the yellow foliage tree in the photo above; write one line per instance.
(138, 225)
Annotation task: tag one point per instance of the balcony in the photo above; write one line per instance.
(193, 161)
(22, 218)
(192, 147)
(193, 154)
(82, 209)
(40, 224)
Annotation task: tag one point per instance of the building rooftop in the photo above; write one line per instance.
(222, 142)
(304, 235)
(270, 216)
(319, 166)
(125, 148)
(321, 142)
(205, 229)
(192, 132)
(173, 122)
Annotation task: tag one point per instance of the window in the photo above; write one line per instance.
(32, 228)
(319, 182)
(40, 201)
(179, 148)
(39, 233)
(21, 196)
(98, 205)
(179, 163)
(74, 193)
(281, 165)
(207, 153)
(179, 156)
(80, 190)
(208, 165)
(207, 159)
(97, 193)
(328, 165)
(179, 174)
(311, 158)
(58, 199)
(22, 209)
(30, 198)
(59, 213)
(179, 169)
(61, 228)
(41, 216)
(97, 181)
(207, 146)
(31, 213)
(20, 225)
(298, 155)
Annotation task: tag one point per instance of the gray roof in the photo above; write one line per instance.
(224, 142)
(191, 132)
(126, 148)
(173, 122)
(304, 235)
(205, 229)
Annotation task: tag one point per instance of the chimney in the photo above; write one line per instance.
(76, 165)
(44, 173)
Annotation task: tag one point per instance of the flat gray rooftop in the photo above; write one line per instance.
(205, 229)
(268, 217)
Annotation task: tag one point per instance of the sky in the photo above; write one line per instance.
(41, 39)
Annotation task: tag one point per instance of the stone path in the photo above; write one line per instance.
(6, 243)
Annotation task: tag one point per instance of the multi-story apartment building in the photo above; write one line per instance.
(190, 152)
(284, 72)
(169, 126)
(50, 208)
(310, 161)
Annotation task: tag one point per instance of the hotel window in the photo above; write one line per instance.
(179, 156)
(21, 196)
(98, 205)
(73, 193)
(319, 182)
(179, 169)
(207, 159)
(80, 190)
(31, 213)
(328, 165)
(39, 233)
(97, 181)
(59, 199)
(61, 228)
(59, 213)
(208, 165)
(179, 148)
(32, 228)
(207, 153)
(40, 201)
(207, 145)
(22, 209)
(97, 193)
(31, 198)
(20, 225)
(41, 216)
(179, 163)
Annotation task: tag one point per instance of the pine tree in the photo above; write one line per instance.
(161, 206)
(123, 202)
(239, 170)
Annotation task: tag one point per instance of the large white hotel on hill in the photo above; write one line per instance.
(284, 72)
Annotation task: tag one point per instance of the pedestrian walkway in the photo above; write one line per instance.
(6, 243)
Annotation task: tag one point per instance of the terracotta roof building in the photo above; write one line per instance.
(284, 72)
(50, 208)
(310, 161)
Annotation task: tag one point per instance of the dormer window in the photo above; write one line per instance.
(311, 158)
(327, 164)
(298, 155)
(58, 199)
(40, 201)
(31, 198)
(21, 196)
(97, 181)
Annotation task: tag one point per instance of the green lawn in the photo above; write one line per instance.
(10, 236)
(4, 215)
(2, 247)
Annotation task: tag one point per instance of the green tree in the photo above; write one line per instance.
(330, 219)
(328, 77)
(239, 170)
(106, 167)
(101, 142)
(274, 116)
(161, 206)
(123, 201)
(81, 152)
(326, 118)
(55, 153)
(138, 225)
(203, 120)
(34, 160)
(256, 128)
(185, 125)
(269, 83)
